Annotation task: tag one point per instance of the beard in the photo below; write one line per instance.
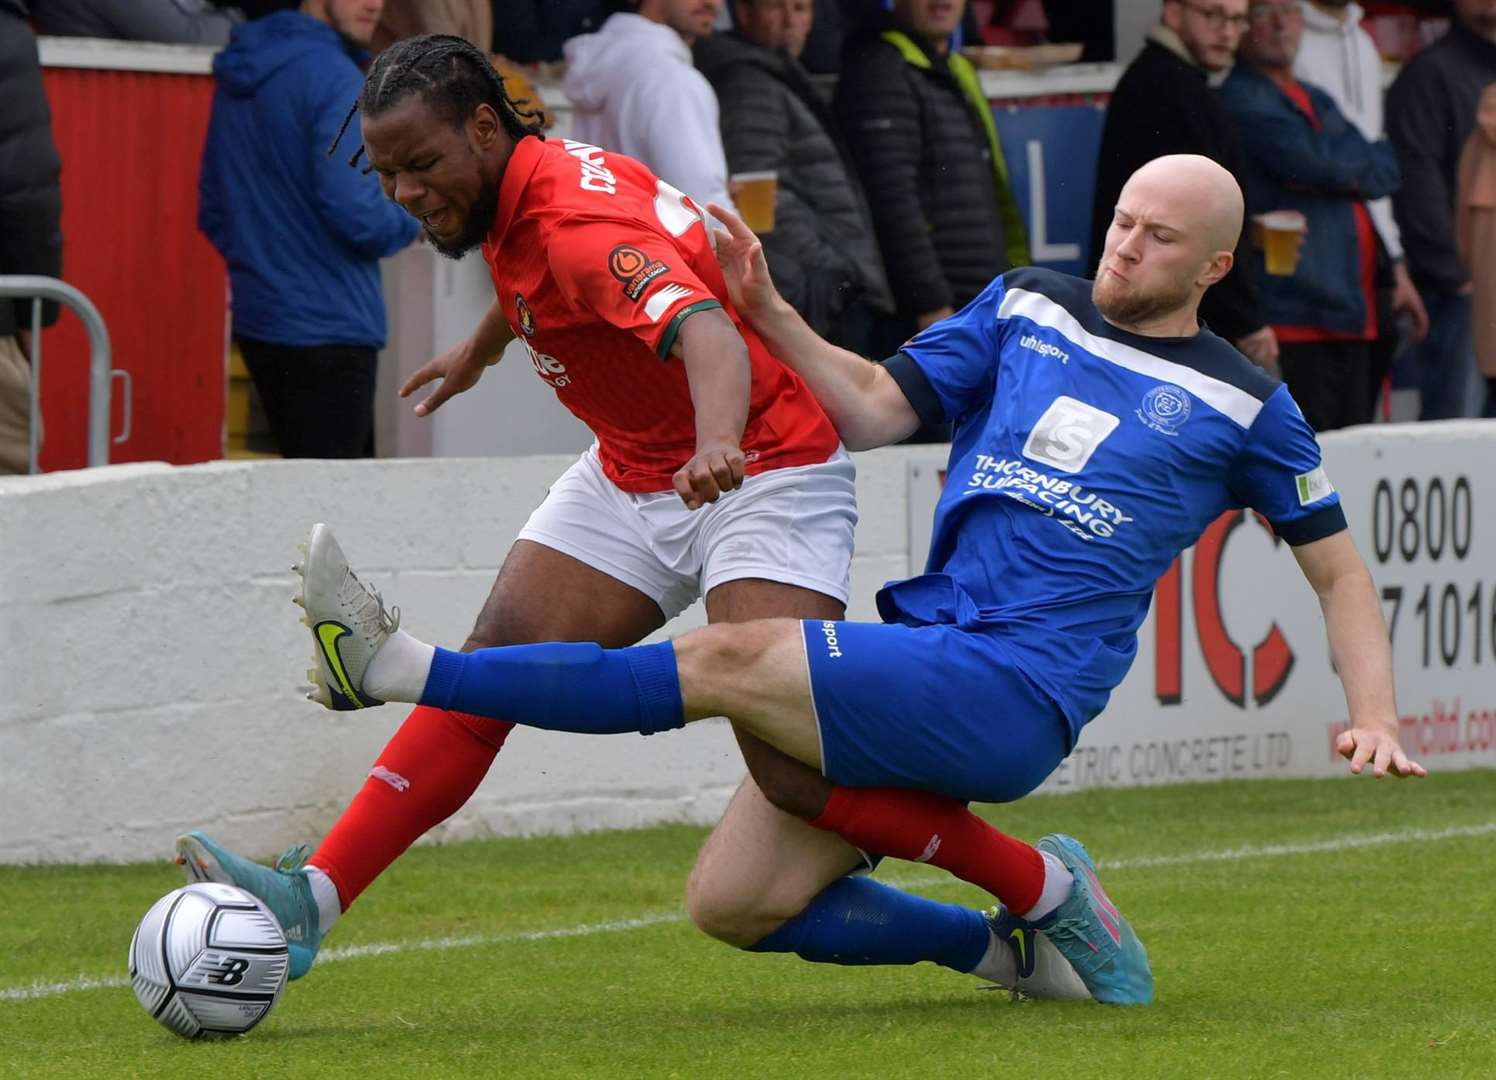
(1124, 306)
(479, 221)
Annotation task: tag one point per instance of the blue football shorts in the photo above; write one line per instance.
(929, 707)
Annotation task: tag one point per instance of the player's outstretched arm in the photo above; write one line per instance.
(861, 398)
(461, 366)
(1362, 654)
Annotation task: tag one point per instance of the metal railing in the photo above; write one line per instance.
(100, 376)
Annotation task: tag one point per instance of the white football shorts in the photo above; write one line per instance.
(788, 525)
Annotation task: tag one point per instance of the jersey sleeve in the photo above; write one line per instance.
(949, 369)
(631, 278)
(1279, 473)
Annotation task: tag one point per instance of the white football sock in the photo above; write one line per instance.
(329, 907)
(998, 964)
(399, 669)
(1057, 882)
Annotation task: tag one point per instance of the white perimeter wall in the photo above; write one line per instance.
(149, 649)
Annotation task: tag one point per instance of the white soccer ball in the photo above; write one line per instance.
(208, 960)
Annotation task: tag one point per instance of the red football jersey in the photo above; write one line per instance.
(597, 263)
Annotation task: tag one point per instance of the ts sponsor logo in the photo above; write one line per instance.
(1068, 434)
(1074, 506)
(549, 369)
(833, 647)
(1043, 348)
(634, 268)
(1165, 408)
(524, 316)
(595, 175)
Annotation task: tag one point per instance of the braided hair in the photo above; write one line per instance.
(450, 74)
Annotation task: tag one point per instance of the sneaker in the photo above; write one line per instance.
(284, 888)
(1091, 933)
(347, 620)
(1042, 971)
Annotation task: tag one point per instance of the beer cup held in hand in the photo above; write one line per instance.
(754, 192)
(1280, 235)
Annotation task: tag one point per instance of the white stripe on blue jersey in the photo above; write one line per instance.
(1221, 396)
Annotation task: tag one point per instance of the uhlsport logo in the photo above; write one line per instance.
(833, 647)
(524, 315)
(1165, 408)
(1043, 348)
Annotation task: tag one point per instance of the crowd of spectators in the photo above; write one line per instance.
(894, 205)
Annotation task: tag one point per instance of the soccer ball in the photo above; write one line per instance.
(208, 960)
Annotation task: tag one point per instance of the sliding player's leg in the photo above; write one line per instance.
(766, 881)
(893, 706)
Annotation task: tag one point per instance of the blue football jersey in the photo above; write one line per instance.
(1084, 459)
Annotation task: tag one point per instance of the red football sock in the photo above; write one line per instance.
(428, 770)
(935, 829)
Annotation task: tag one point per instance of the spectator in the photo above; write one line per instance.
(301, 231)
(1430, 114)
(926, 148)
(821, 249)
(469, 19)
(180, 22)
(802, 16)
(30, 221)
(1163, 104)
(1339, 57)
(532, 31)
(635, 90)
(1302, 154)
(1475, 228)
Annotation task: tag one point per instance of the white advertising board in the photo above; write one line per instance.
(1233, 677)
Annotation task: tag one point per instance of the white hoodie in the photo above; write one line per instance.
(634, 89)
(1341, 59)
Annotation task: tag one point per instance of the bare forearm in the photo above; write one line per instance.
(720, 378)
(1360, 649)
(844, 383)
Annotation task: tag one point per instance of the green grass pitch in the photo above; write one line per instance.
(1297, 929)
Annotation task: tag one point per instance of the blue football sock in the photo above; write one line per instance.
(578, 687)
(860, 921)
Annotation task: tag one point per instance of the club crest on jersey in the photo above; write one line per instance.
(524, 316)
(1165, 408)
(634, 268)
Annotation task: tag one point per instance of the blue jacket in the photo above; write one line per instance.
(302, 232)
(1291, 166)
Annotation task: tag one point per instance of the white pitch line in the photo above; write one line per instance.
(1312, 847)
(40, 990)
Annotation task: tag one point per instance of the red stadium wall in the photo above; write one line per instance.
(130, 143)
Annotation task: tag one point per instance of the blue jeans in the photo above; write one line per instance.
(1445, 360)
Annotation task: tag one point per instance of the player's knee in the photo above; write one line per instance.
(723, 647)
(720, 909)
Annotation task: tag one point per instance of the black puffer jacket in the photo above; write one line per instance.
(923, 158)
(821, 250)
(30, 193)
